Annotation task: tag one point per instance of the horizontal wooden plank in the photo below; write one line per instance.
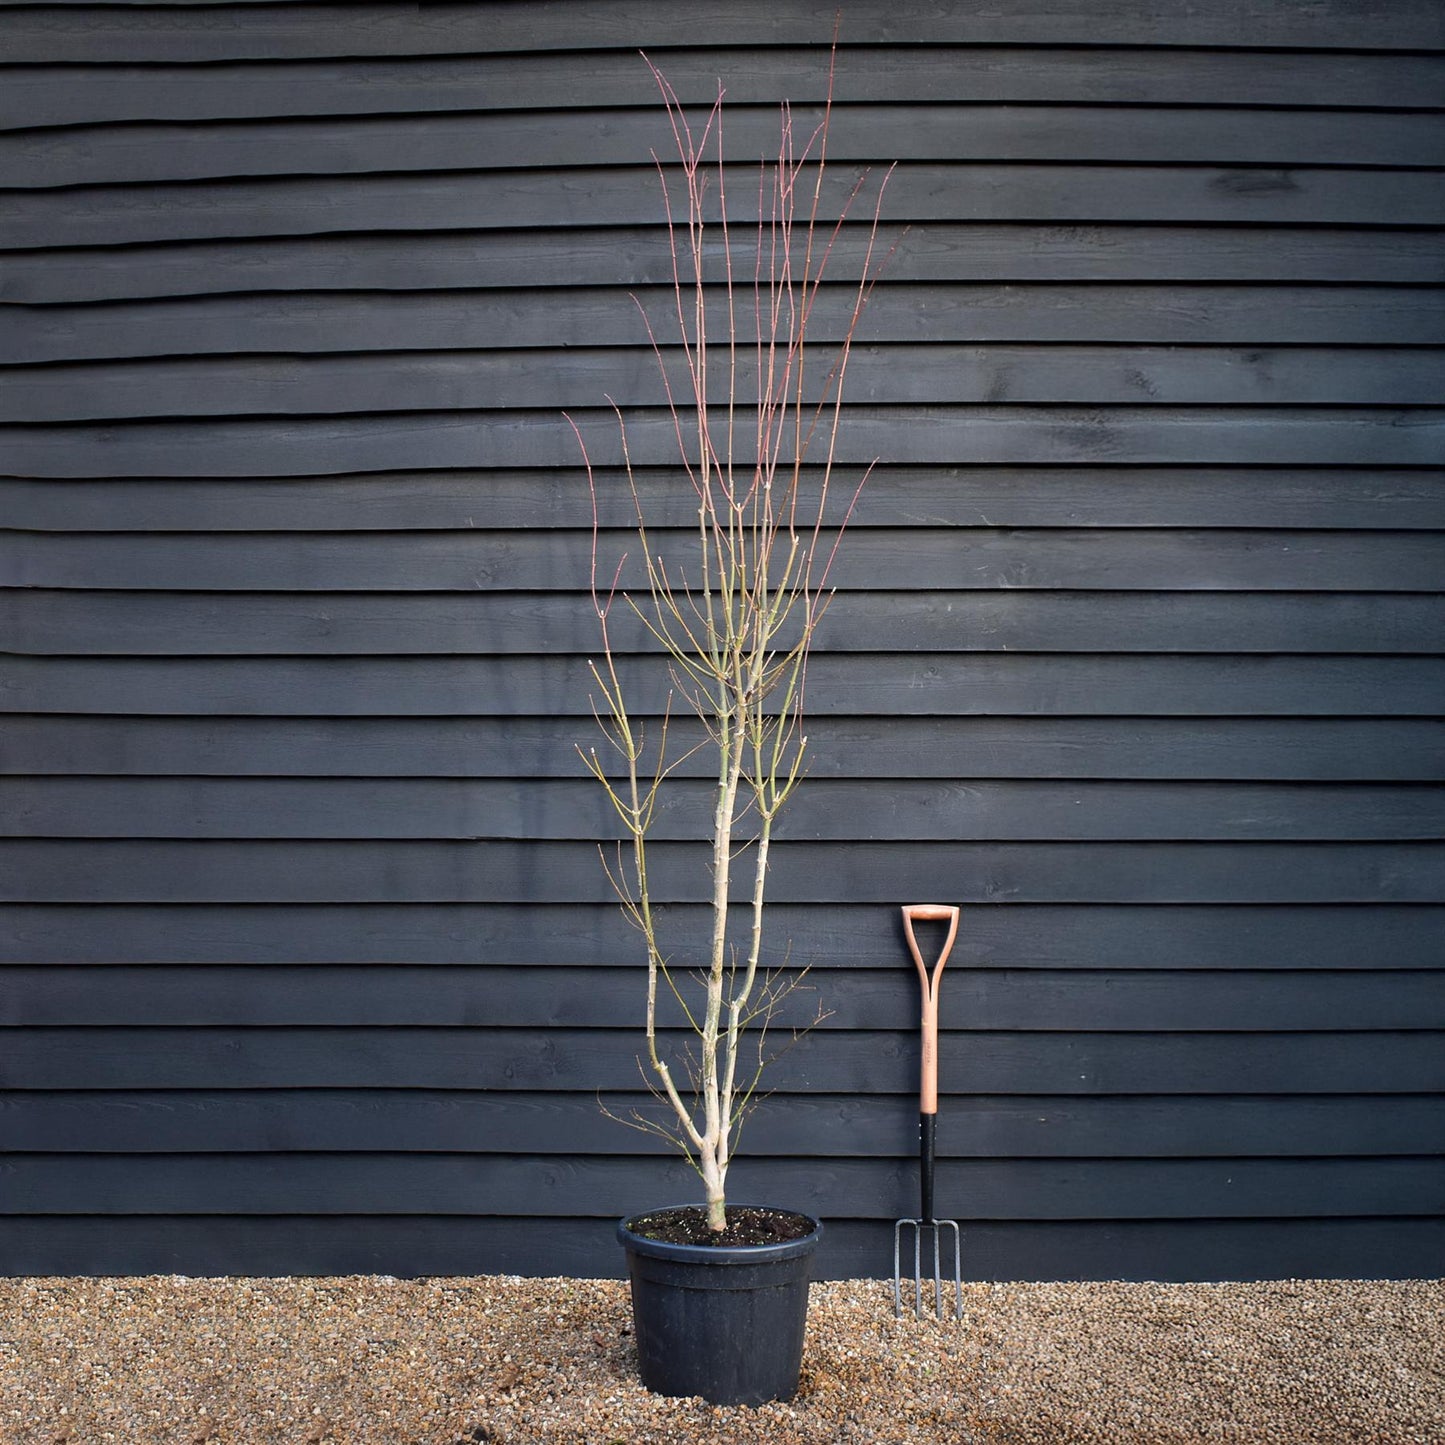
(434, 1246)
(1060, 496)
(108, 215)
(1074, 1001)
(929, 375)
(109, 154)
(482, 1185)
(828, 809)
(1318, 749)
(550, 319)
(883, 685)
(323, 1121)
(847, 1061)
(422, 1245)
(844, 935)
(953, 435)
(106, 33)
(68, 95)
(639, 256)
(190, 871)
(901, 559)
(475, 561)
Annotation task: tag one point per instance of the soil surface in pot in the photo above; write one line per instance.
(746, 1224)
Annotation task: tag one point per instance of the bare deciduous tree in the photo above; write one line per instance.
(756, 421)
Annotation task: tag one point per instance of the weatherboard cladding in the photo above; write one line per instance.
(307, 961)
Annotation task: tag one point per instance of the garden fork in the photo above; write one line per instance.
(926, 1224)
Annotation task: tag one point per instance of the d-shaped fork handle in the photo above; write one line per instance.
(929, 913)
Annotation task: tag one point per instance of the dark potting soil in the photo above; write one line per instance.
(746, 1224)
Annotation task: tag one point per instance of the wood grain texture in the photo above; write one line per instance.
(935, 374)
(366, 321)
(948, 435)
(551, 873)
(107, 215)
(999, 933)
(530, 140)
(581, 1061)
(327, 1121)
(858, 810)
(1363, 499)
(404, 1245)
(593, 996)
(46, 94)
(206, 33)
(925, 253)
(884, 685)
(881, 561)
(927, 375)
(307, 960)
(468, 1184)
(537, 748)
(1078, 620)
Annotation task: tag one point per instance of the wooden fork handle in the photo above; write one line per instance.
(929, 913)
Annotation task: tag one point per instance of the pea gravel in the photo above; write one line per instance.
(357, 1360)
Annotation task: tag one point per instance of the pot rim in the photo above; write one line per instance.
(715, 1254)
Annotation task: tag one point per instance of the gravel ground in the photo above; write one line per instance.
(377, 1361)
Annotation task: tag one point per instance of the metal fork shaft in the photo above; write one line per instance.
(927, 1131)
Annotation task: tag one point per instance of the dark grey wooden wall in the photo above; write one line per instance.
(309, 964)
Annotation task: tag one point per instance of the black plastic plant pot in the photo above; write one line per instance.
(726, 1323)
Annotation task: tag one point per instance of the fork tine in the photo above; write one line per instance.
(918, 1268)
(897, 1267)
(953, 1265)
(952, 1225)
(937, 1271)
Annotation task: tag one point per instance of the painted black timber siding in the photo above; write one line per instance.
(308, 962)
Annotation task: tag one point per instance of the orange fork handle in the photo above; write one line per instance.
(929, 913)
